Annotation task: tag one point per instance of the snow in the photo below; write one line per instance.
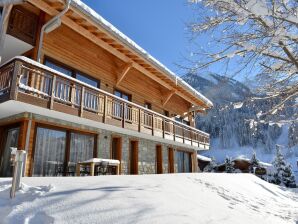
(238, 105)
(177, 198)
(130, 43)
(204, 158)
(98, 160)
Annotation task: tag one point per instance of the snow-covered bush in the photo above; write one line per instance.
(288, 177)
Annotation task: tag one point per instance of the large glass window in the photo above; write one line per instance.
(73, 73)
(81, 147)
(49, 152)
(11, 141)
(183, 162)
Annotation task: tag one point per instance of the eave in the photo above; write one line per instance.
(88, 23)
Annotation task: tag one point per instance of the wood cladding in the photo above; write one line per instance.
(23, 25)
(83, 55)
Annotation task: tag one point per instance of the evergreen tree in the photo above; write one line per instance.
(288, 177)
(254, 163)
(229, 165)
(279, 164)
(211, 167)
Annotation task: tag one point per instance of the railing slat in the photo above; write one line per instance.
(43, 82)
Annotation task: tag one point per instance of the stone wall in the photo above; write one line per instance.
(146, 152)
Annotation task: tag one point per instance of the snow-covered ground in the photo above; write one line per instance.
(177, 198)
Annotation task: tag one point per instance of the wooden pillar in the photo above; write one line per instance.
(105, 108)
(41, 22)
(31, 149)
(171, 162)
(3, 27)
(22, 135)
(194, 162)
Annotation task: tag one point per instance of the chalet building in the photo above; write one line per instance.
(73, 87)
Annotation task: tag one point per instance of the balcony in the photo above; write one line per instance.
(25, 80)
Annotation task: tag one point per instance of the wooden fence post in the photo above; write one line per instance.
(53, 92)
(14, 81)
(82, 101)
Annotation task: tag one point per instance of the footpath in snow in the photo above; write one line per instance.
(177, 198)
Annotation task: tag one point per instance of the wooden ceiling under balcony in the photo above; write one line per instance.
(95, 33)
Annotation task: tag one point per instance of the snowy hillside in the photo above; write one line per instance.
(234, 125)
(178, 198)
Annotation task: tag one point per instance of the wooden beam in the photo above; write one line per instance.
(123, 73)
(3, 26)
(168, 97)
(82, 31)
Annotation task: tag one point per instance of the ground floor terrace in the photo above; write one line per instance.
(54, 145)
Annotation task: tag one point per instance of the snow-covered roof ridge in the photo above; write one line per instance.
(204, 158)
(95, 17)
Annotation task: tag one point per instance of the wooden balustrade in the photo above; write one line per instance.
(56, 91)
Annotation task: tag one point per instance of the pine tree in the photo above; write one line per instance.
(279, 164)
(211, 167)
(254, 162)
(229, 165)
(288, 177)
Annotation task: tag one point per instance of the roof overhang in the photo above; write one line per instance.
(91, 25)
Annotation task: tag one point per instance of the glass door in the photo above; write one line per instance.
(11, 140)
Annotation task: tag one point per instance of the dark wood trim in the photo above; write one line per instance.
(159, 160)
(133, 157)
(95, 148)
(118, 150)
(67, 151)
(171, 160)
(40, 23)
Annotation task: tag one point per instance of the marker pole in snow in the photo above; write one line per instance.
(19, 156)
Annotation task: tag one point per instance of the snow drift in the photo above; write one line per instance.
(178, 198)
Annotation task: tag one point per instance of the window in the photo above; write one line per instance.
(183, 162)
(72, 72)
(158, 159)
(166, 113)
(49, 152)
(122, 95)
(11, 140)
(81, 147)
(148, 106)
(116, 148)
(117, 107)
(182, 120)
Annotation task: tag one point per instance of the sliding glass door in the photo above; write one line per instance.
(57, 151)
(11, 140)
(183, 162)
(49, 153)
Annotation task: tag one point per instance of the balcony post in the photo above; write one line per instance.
(53, 92)
(82, 101)
(163, 127)
(15, 79)
(123, 114)
(152, 124)
(140, 120)
(191, 136)
(105, 108)
(174, 131)
(183, 135)
(73, 95)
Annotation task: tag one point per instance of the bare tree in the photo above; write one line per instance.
(258, 36)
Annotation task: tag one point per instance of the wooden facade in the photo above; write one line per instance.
(82, 47)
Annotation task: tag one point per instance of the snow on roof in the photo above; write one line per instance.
(95, 17)
(265, 164)
(204, 158)
(241, 157)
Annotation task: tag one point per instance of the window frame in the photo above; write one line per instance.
(74, 72)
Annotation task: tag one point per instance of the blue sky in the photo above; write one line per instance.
(158, 26)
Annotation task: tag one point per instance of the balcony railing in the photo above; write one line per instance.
(25, 80)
